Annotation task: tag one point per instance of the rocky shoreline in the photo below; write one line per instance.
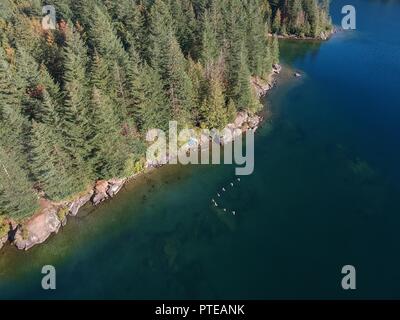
(53, 216)
(324, 36)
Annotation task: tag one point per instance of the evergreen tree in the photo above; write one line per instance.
(161, 27)
(51, 165)
(105, 39)
(99, 73)
(177, 83)
(274, 49)
(75, 117)
(313, 26)
(213, 111)
(210, 48)
(231, 111)
(17, 197)
(47, 82)
(185, 24)
(219, 16)
(49, 113)
(256, 38)
(276, 24)
(115, 59)
(196, 74)
(245, 95)
(135, 92)
(235, 43)
(109, 146)
(13, 124)
(128, 21)
(294, 16)
(10, 95)
(152, 109)
(28, 74)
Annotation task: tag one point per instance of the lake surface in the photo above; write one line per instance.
(325, 193)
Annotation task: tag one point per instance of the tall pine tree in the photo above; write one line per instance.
(109, 146)
(76, 114)
(51, 165)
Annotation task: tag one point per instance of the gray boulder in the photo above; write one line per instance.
(115, 186)
(79, 203)
(100, 192)
(277, 68)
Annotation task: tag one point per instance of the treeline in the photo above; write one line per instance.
(304, 18)
(76, 102)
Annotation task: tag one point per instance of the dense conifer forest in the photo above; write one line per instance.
(77, 101)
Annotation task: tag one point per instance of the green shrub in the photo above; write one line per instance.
(4, 228)
(62, 213)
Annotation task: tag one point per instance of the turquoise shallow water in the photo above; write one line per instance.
(325, 193)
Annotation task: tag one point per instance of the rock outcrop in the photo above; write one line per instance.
(276, 68)
(106, 189)
(260, 86)
(52, 216)
(74, 206)
(254, 121)
(115, 186)
(37, 229)
(324, 35)
(100, 192)
(240, 119)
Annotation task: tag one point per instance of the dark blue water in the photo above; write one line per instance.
(325, 193)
